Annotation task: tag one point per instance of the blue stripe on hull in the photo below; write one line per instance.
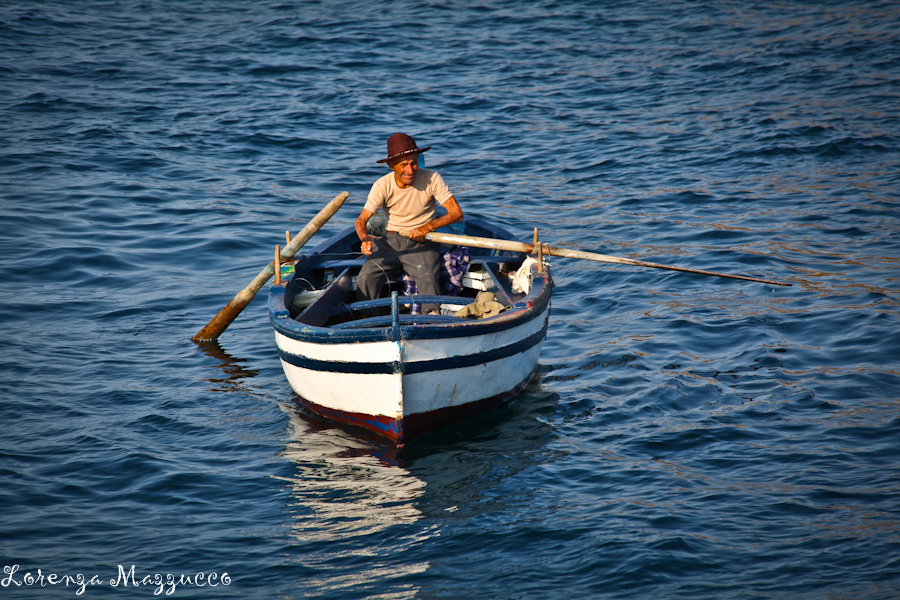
(422, 366)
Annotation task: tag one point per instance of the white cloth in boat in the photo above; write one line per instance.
(521, 283)
(484, 306)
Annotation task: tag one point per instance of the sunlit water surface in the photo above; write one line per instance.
(684, 437)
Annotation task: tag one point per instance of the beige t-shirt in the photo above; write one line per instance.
(410, 207)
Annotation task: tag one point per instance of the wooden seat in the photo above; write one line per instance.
(405, 300)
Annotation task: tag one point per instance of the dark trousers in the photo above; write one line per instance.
(393, 253)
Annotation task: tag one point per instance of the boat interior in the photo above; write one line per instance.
(322, 291)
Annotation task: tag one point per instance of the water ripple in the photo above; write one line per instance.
(684, 437)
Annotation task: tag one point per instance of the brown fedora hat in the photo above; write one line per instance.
(399, 145)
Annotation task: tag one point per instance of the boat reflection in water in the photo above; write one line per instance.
(365, 515)
(354, 510)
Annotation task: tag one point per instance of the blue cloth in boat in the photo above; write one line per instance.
(456, 263)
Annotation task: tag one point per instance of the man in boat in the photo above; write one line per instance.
(409, 196)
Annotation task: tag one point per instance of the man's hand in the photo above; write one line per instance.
(418, 234)
(361, 221)
(454, 215)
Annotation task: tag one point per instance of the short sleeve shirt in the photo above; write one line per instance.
(407, 208)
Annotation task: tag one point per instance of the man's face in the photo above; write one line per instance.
(404, 169)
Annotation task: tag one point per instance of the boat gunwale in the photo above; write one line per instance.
(523, 311)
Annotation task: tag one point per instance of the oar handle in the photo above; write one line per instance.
(495, 244)
(229, 313)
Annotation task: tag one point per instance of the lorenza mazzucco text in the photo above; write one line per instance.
(167, 583)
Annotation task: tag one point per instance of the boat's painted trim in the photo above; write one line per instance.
(380, 424)
(454, 361)
(415, 347)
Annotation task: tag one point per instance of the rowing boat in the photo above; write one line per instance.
(377, 365)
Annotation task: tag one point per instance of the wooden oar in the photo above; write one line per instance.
(228, 314)
(494, 244)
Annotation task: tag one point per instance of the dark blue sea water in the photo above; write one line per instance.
(685, 436)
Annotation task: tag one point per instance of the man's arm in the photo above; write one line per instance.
(454, 215)
(361, 222)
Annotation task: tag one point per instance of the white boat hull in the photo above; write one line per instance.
(403, 375)
(389, 386)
